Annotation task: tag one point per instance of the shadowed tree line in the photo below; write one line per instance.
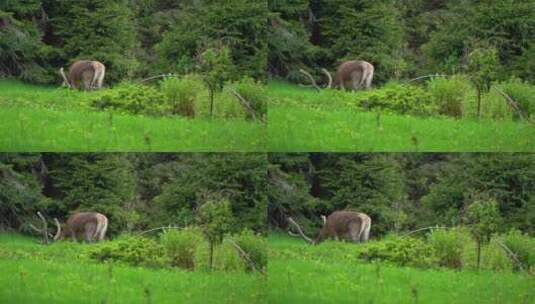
(135, 191)
(401, 192)
(401, 38)
(132, 38)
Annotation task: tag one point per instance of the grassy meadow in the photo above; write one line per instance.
(38, 118)
(61, 273)
(330, 273)
(302, 119)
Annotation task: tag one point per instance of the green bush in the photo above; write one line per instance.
(132, 99)
(400, 251)
(132, 250)
(523, 93)
(448, 246)
(449, 94)
(255, 246)
(493, 258)
(522, 246)
(398, 98)
(181, 245)
(256, 96)
(182, 94)
(226, 258)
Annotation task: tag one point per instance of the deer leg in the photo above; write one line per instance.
(90, 229)
(354, 232)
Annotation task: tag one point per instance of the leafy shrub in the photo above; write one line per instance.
(182, 94)
(255, 246)
(226, 258)
(398, 98)
(132, 250)
(522, 246)
(400, 251)
(181, 246)
(493, 257)
(449, 94)
(523, 93)
(255, 95)
(448, 246)
(131, 98)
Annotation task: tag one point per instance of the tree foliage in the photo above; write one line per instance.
(401, 191)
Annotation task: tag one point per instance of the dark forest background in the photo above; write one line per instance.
(133, 38)
(138, 38)
(135, 191)
(401, 191)
(403, 38)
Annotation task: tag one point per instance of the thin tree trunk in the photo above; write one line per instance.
(478, 102)
(478, 254)
(211, 101)
(210, 262)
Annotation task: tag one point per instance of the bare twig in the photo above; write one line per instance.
(245, 104)
(159, 228)
(511, 255)
(246, 257)
(158, 76)
(514, 105)
(427, 76)
(422, 229)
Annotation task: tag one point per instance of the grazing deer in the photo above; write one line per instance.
(341, 225)
(354, 75)
(84, 74)
(88, 226)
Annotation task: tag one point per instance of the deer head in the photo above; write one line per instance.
(88, 226)
(84, 74)
(340, 225)
(354, 75)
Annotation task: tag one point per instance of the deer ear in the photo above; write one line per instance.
(324, 219)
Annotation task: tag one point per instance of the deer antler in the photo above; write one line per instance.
(65, 80)
(329, 85)
(58, 232)
(306, 238)
(309, 76)
(44, 231)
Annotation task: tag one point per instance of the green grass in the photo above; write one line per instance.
(300, 273)
(33, 273)
(34, 118)
(304, 120)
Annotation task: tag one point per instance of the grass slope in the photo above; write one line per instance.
(34, 118)
(297, 276)
(301, 120)
(56, 274)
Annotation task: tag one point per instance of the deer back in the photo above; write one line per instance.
(81, 74)
(340, 224)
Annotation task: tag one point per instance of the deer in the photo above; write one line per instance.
(354, 75)
(340, 225)
(88, 226)
(84, 74)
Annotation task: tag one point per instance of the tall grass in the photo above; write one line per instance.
(294, 129)
(300, 273)
(304, 120)
(34, 118)
(57, 274)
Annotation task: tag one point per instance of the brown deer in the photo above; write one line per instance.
(88, 226)
(340, 225)
(84, 75)
(354, 75)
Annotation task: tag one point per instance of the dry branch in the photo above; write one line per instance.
(421, 229)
